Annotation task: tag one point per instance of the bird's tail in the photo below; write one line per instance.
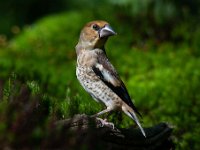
(132, 115)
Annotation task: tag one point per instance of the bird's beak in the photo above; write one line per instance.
(106, 31)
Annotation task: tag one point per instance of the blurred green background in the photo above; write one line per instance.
(156, 52)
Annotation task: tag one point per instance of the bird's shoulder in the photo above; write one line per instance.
(104, 67)
(104, 61)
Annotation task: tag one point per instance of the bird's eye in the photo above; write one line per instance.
(95, 27)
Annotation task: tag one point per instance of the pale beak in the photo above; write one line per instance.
(106, 31)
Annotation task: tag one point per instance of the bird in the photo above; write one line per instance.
(98, 76)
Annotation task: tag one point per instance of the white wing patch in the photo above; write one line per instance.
(107, 76)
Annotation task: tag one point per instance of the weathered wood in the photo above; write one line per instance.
(92, 134)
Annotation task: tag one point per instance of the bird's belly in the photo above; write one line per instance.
(97, 89)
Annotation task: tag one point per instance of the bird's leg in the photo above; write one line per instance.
(102, 112)
(104, 121)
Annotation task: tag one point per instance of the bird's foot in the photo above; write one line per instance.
(104, 122)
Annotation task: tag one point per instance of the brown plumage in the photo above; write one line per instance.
(97, 75)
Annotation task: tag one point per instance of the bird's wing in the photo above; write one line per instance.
(107, 73)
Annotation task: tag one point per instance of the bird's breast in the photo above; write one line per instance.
(96, 88)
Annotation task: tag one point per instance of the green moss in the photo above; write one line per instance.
(163, 81)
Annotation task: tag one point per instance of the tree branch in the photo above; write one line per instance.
(89, 132)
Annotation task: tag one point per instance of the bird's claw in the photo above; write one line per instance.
(105, 123)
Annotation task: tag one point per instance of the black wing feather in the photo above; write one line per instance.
(121, 90)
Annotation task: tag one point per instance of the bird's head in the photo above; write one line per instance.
(95, 34)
